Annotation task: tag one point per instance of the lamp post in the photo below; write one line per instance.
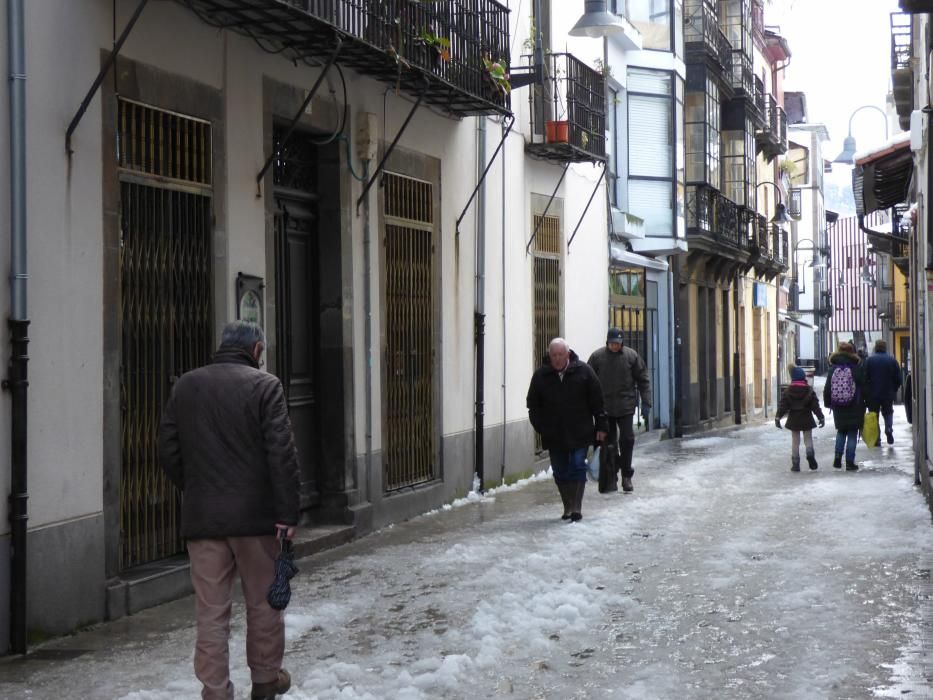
(780, 211)
(848, 145)
(817, 262)
(597, 21)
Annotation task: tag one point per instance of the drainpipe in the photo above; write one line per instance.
(16, 381)
(479, 309)
(504, 336)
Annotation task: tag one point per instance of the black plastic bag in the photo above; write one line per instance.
(280, 591)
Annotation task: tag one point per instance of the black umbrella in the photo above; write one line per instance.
(280, 591)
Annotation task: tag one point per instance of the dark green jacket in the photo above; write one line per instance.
(623, 376)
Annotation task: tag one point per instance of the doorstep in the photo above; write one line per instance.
(169, 579)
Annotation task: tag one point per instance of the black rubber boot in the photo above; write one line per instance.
(851, 466)
(577, 511)
(565, 488)
(811, 459)
(795, 464)
(837, 462)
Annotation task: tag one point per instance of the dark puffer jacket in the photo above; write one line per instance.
(623, 376)
(799, 403)
(226, 442)
(567, 413)
(847, 418)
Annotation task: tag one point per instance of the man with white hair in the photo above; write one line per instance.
(565, 405)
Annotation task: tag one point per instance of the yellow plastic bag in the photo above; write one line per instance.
(870, 430)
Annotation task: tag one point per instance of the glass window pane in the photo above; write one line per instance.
(653, 19)
(651, 201)
(650, 148)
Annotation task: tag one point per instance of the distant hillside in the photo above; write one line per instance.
(839, 198)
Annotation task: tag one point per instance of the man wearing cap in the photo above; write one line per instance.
(623, 376)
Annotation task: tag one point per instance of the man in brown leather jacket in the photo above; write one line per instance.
(623, 376)
(226, 442)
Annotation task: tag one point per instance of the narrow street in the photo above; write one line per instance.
(723, 576)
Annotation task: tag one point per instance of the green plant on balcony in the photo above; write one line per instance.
(498, 73)
(441, 44)
(604, 68)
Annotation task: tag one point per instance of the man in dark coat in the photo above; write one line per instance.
(623, 376)
(565, 405)
(847, 418)
(884, 378)
(227, 443)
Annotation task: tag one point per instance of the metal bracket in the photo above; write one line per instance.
(587, 207)
(301, 110)
(391, 147)
(544, 213)
(101, 75)
(482, 177)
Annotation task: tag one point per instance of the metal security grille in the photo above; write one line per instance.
(165, 260)
(163, 144)
(409, 254)
(546, 290)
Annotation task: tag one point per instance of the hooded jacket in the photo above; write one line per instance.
(566, 411)
(623, 376)
(799, 403)
(847, 418)
(227, 443)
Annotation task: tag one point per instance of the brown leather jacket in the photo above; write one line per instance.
(226, 442)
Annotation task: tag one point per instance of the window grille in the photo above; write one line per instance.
(166, 283)
(410, 443)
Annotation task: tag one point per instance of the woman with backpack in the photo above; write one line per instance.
(844, 394)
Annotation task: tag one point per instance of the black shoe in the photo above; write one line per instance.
(851, 466)
(811, 460)
(565, 516)
(837, 462)
(627, 484)
(574, 517)
(268, 691)
(795, 464)
(890, 438)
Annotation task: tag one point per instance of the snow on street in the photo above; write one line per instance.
(724, 575)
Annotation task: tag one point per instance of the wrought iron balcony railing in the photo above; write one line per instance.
(782, 128)
(772, 136)
(743, 79)
(703, 36)
(779, 246)
(571, 110)
(760, 97)
(435, 48)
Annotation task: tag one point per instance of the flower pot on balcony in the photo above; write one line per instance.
(557, 131)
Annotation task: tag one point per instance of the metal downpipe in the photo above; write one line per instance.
(479, 313)
(16, 381)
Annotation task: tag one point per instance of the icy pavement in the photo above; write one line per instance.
(723, 576)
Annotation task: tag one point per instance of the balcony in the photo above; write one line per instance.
(704, 40)
(771, 138)
(715, 224)
(897, 313)
(902, 76)
(572, 113)
(435, 47)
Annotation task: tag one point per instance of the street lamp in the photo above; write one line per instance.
(848, 145)
(816, 262)
(596, 21)
(780, 211)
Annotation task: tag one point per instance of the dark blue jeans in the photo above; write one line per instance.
(847, 441)
(568, 465)
(886, 409)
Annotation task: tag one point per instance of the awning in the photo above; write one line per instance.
(622, 257)
(782, 315)
(881, 177)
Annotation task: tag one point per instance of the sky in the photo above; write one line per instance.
(840, 57)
